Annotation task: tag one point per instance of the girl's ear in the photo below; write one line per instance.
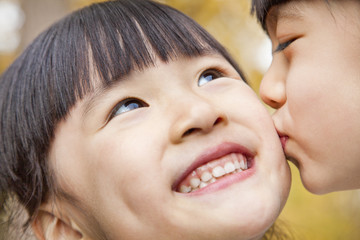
(48, 226)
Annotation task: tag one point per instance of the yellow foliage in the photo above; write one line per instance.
(325, 217)
(6, 60)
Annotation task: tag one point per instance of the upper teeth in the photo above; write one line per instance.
(229, 167)
(206, 176)
(209, 173)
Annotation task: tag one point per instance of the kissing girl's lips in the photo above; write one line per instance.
(216, 168)
(283, 139)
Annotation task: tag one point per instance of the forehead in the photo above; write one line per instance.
(289, 11)
(342, 13)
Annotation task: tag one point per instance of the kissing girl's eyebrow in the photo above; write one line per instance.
(287, 12)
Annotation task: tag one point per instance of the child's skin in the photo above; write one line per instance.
(314, 85)
(135, 150)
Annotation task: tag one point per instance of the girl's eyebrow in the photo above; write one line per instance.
(287, 12)
(93, 100)
(96, 96)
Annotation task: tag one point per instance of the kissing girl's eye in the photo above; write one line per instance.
(127, 105)
(208, 76)
(284, 45)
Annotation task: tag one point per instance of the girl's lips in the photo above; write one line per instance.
(283, 140)
(212, 154)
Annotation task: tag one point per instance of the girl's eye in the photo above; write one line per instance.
(208, 76)
(127, 105)
(284, 45)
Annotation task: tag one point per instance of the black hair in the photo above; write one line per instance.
(261, 8)
(98, 44)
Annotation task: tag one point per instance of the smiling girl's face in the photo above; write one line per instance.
(180, 150)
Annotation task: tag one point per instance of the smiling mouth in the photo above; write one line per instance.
(213, 168)
(213, 171)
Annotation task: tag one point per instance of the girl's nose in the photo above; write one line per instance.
(272, 88)
(195, 116)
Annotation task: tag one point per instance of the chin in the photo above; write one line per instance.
(313, 186)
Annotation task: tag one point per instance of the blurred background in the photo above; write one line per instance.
(331, 216)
